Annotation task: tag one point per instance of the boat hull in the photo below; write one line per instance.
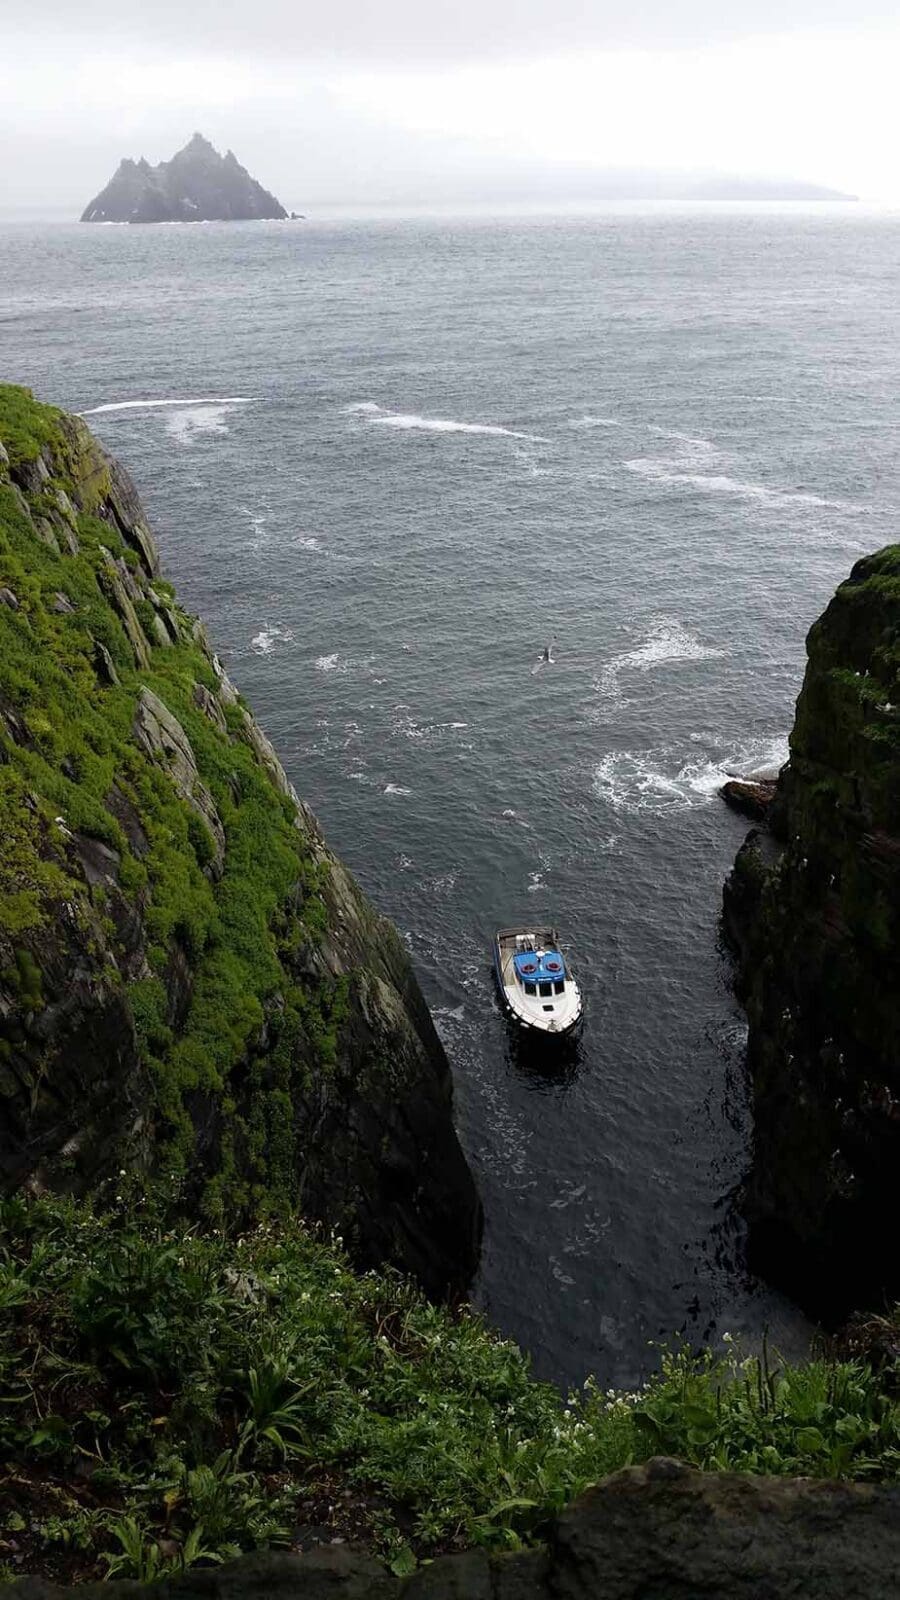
(535, 1021)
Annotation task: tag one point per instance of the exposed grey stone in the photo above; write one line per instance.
(7, 598)
(65, 506)
(123, 507)
(265, 754)
(4, 457)
(127, 614)
(103, 661)
(68, 537)
(32, 475)
(210, 707)
(45, 531)
(161, 735)
(160, 632)
(61, 604)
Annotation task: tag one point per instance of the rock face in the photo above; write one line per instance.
(813, 909)
(659, 1532)
(189, 979)
(197, 185)
(751, 796)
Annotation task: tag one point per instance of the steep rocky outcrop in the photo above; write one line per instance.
(751, 796)
(190, 981)
(658, 1532)
(196, 185)
(813, 909)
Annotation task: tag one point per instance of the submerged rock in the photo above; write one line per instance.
(190, 981)
(816, 923)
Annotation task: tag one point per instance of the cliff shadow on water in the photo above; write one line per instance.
(813, 910)
(191, 983)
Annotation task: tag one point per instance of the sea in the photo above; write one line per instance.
(389, 461)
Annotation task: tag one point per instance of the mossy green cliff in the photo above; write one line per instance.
(814, 909)
(190, 981)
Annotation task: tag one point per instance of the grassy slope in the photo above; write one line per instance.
(168, 1397)
(80, 726)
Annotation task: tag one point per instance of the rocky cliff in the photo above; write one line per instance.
(191, 984)
(813, 908)
(196, 185)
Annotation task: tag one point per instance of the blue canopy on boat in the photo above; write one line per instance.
(546, 967)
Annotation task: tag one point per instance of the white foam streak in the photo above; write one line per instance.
(657, 781)
(149, 405)
(690, 465)
(667, 641)
(412, 421)
(267, 638)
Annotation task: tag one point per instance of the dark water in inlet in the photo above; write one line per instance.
(416, 451)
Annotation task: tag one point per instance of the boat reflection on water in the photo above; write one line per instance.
(545, 1071)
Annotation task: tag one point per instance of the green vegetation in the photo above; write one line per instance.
(25, 425)
(68, 752)
(170, 1397)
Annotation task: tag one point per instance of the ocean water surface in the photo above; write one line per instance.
(388, 462)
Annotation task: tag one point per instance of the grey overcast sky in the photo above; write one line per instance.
(411, 101)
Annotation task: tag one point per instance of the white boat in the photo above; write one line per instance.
(536, 986)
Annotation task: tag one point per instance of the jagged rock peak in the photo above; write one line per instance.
(196, 185)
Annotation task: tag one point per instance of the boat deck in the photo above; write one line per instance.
(509, 942)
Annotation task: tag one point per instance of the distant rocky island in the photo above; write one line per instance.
(197, 185)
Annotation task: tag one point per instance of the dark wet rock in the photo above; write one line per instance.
(658, 1532)
(126, 814)
(196, 185)
(106, 667)
(98, 863)
(814, 914)
(752, 797)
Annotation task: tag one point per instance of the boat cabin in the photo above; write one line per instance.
(540, 972)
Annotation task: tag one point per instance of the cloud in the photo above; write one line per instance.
(816, 106)
(435, 30)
